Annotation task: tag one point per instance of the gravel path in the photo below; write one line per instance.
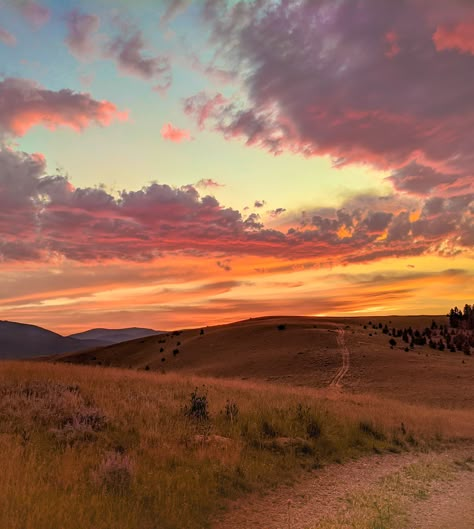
(450, 506)
(321, 494)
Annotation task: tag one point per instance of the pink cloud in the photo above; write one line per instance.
(7, 38)
(24, 104)
(43, 217)
(458, 37)
(174, 134)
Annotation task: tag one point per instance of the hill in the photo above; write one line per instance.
(301, 351)
(113, 336)
(19, 340)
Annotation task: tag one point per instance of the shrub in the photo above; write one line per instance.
(392, 342)
(281, 327)
(175, 352)
(199, 406)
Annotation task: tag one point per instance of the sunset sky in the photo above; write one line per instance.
(181, 163)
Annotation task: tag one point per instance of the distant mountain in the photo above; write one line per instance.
(19, 340)
(113, 336)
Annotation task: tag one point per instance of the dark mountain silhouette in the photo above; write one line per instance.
(19, 340)
(113, 336)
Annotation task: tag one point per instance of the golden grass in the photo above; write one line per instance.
(88, 447)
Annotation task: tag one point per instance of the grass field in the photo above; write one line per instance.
(91, 447)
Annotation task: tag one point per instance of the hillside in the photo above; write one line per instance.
(19, 340)
(305, 352)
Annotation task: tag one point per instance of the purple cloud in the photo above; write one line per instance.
(129, 52)
(360, 81)
(82, 27)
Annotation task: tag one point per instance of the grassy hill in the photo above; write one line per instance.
(301, 351)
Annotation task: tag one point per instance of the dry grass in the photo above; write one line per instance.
(84, 447)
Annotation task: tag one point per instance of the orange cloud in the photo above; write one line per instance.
(174, 134)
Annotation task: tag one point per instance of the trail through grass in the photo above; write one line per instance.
(95, 448)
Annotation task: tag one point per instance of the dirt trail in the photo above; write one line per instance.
(346, 361)
(450, 506)
(321, 494)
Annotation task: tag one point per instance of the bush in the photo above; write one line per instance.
(281, 327)
(392, 342)
(199, 407)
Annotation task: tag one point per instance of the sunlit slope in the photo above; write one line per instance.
(305, 352)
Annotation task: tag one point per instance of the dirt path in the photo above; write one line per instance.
(321, 495)
(346, 361)
(450, 506)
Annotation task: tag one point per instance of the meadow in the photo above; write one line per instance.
(92, 447)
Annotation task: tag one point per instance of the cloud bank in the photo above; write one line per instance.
(44, 217)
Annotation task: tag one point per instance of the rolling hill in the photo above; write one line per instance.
(305, 351)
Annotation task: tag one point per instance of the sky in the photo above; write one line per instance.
(182, 163)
